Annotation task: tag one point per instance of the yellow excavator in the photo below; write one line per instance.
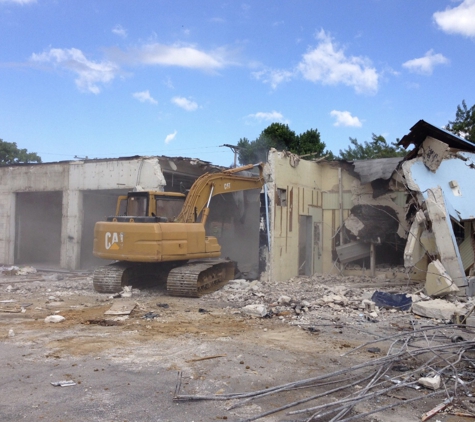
(160, 236)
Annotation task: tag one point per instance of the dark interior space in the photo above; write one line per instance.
(97, 206)
(38, 218)
(235, 220)
(177, 182)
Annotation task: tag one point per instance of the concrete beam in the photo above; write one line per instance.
(445, 238)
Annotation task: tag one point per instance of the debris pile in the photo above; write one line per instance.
(429, 362)
(311, 301)
(416, 210)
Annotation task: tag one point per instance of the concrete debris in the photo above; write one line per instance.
(438, 281)
(68, 383)
(255, 310)
(121, 308)
(437, 309)
(284, 300)
(14, 270)
(433, 153)
(368, 305)
(54, 319)
(126, 293)
(240, 284)
(432, 382)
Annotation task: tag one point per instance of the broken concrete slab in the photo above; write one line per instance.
(445, 238)
(414, 250)
(438, 281)
(434, 151)
(437, 309)
(54, 319)
(255, 310)
(430, 382)
(352, 251)
(121, 308)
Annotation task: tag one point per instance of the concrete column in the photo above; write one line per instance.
(7, 228)
(71, 229)
(372, 259)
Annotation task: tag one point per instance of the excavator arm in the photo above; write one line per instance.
(211, 184)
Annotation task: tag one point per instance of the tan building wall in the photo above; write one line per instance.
(305, 215)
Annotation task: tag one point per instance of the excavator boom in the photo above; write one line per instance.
(211, 184)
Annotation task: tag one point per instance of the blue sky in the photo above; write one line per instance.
(110, 78)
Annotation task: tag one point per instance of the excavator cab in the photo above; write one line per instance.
(149, 206)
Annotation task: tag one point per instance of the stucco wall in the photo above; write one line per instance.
(312, 190)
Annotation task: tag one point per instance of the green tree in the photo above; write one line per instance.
(464, 123)
(11, 154)
(309, 142)
(377, 148)
(281, 137)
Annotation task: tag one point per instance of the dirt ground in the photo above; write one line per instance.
(126, 368)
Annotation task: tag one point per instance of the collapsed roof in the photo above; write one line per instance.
(439, 208)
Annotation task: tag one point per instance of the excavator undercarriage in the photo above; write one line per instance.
(187, 279)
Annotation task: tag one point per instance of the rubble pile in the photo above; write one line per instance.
(307, 301)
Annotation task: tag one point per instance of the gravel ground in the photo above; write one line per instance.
(125, 368)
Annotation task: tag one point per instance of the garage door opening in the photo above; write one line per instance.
(38, 217)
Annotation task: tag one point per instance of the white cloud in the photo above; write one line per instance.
(18, 1)
(273, 116)
(120, 31)
(344, 118)
(274, 77)
(328, 64)
(90, 74)
(144, 97)
(176, 55)
(425, 65)
(458, 20)
(170, 137)
(185, 103)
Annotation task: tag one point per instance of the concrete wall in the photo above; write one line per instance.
(72, 180)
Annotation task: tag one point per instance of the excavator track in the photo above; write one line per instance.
(108, 279)
(200, 277)
(193, 279)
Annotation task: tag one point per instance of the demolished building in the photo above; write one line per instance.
(409, 217)
(405, 217)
